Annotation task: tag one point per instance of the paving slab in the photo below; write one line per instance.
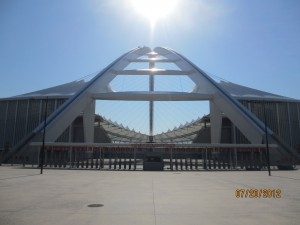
(61, 197)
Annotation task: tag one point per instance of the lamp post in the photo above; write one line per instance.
(267, 141)
(42, 152)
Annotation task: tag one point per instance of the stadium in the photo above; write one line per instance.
(59, 127)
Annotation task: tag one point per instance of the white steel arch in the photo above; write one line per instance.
(221, 102)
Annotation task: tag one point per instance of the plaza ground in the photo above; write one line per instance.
(62, 196)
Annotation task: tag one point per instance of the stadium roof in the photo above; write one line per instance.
(242, 92)
(182, 134)
(237, 91)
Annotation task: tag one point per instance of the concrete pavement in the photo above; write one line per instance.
(61, 197)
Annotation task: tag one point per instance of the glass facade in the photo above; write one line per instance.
(295, 124)
(283, 118)
(10, 123)
(20, 117)
(3, 109)
(21, 120)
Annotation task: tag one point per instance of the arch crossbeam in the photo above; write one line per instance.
(151, 72)
(151, 96)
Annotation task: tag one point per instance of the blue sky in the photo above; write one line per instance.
(45, 43)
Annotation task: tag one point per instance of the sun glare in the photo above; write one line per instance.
(154, 10)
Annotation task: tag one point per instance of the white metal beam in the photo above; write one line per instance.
(151, 60)
(151, 96)
(151, 72)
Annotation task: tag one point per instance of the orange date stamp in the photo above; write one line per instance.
(258, 193)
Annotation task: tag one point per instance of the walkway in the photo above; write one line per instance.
(61, 197)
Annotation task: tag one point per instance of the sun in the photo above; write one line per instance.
(154, 10)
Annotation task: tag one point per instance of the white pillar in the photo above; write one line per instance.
(215, 123)
(88, 122)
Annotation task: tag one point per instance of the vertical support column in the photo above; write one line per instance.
(176, 162)
(215, 123)
(46, 157)
(186, 163)
(15, 123)
(82, 157)
(235, 158)
(290, 124)
(278, 122)
(204, 158)
(298, 118)
(88, 122)
(71, 158)
(234, 141)
(171, 159)
(266, 139)
(70, 132)
(96, 151)
(109, 160)
(134, 155)
(181, 163)
(41, 110)
(102, 158)
(298, 114)
(115, 161)
(26, 117)
(120, 159)
(99, 160)
(44, 133)
(196, 162)
(130, 156)
(5, 124)
(261, 163)
(124, 160)
(214, 158)
(76, 158)
(208, 157)
(92, 158)
(151, 103)
(230, 160)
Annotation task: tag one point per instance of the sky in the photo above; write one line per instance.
(44, 43)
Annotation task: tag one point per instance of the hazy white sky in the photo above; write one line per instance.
(46, 43)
